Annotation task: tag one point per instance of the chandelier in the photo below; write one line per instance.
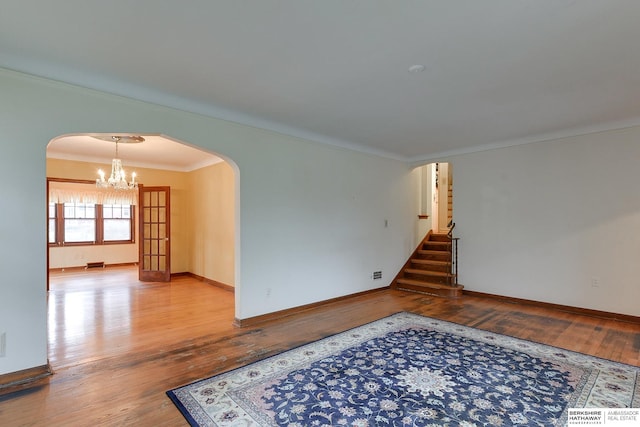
(118, 178)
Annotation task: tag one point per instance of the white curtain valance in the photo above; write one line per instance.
(64, 192)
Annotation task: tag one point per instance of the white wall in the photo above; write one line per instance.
(313, 226)
(311, 217)
(540, 221)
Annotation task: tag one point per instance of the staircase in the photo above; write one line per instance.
(429, 269)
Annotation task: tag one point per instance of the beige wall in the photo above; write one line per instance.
(212, 223)
(202, 233)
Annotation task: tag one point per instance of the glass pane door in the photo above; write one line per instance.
(154, 263)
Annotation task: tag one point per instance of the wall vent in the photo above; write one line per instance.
(98, 264)
(377, 275)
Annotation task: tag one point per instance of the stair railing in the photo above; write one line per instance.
(453, 277)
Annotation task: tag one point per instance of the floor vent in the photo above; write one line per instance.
(377, 275)
(99, 264)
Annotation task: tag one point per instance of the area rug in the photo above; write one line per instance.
(410, 370)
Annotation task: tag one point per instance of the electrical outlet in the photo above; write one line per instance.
(3, 344)
(595, 282)
(268, 292)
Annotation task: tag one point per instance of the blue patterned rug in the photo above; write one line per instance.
(410, 370)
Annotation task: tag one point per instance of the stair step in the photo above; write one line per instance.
(427, 272)
(430, 265)
(437, 289)
(431, 276)
(435, 244)
(423, 283)
(439, 237)
(443, 255)
(433, 255)
(431, 262)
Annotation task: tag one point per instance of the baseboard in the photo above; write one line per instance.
(252, 321)
(20, 379)
(559, 307)
(205, 280)
(84, 267)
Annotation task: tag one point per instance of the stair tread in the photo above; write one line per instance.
(444, 238)
(432, 251)
(426, 284)
(430, 262)
(427, 272)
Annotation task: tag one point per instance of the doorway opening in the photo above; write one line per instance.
(435, 197)
(202, 236)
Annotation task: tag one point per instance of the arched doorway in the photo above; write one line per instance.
(204, 216)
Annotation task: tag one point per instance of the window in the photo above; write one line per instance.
(79, 223)
(88, 224)
(117, 223)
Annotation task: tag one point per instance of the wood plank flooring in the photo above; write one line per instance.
(117, 345)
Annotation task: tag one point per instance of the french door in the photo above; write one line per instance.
(155, 247)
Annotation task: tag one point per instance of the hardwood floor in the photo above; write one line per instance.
(117, 345)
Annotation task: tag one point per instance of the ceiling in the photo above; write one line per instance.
(155, 151)
(496, 72)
